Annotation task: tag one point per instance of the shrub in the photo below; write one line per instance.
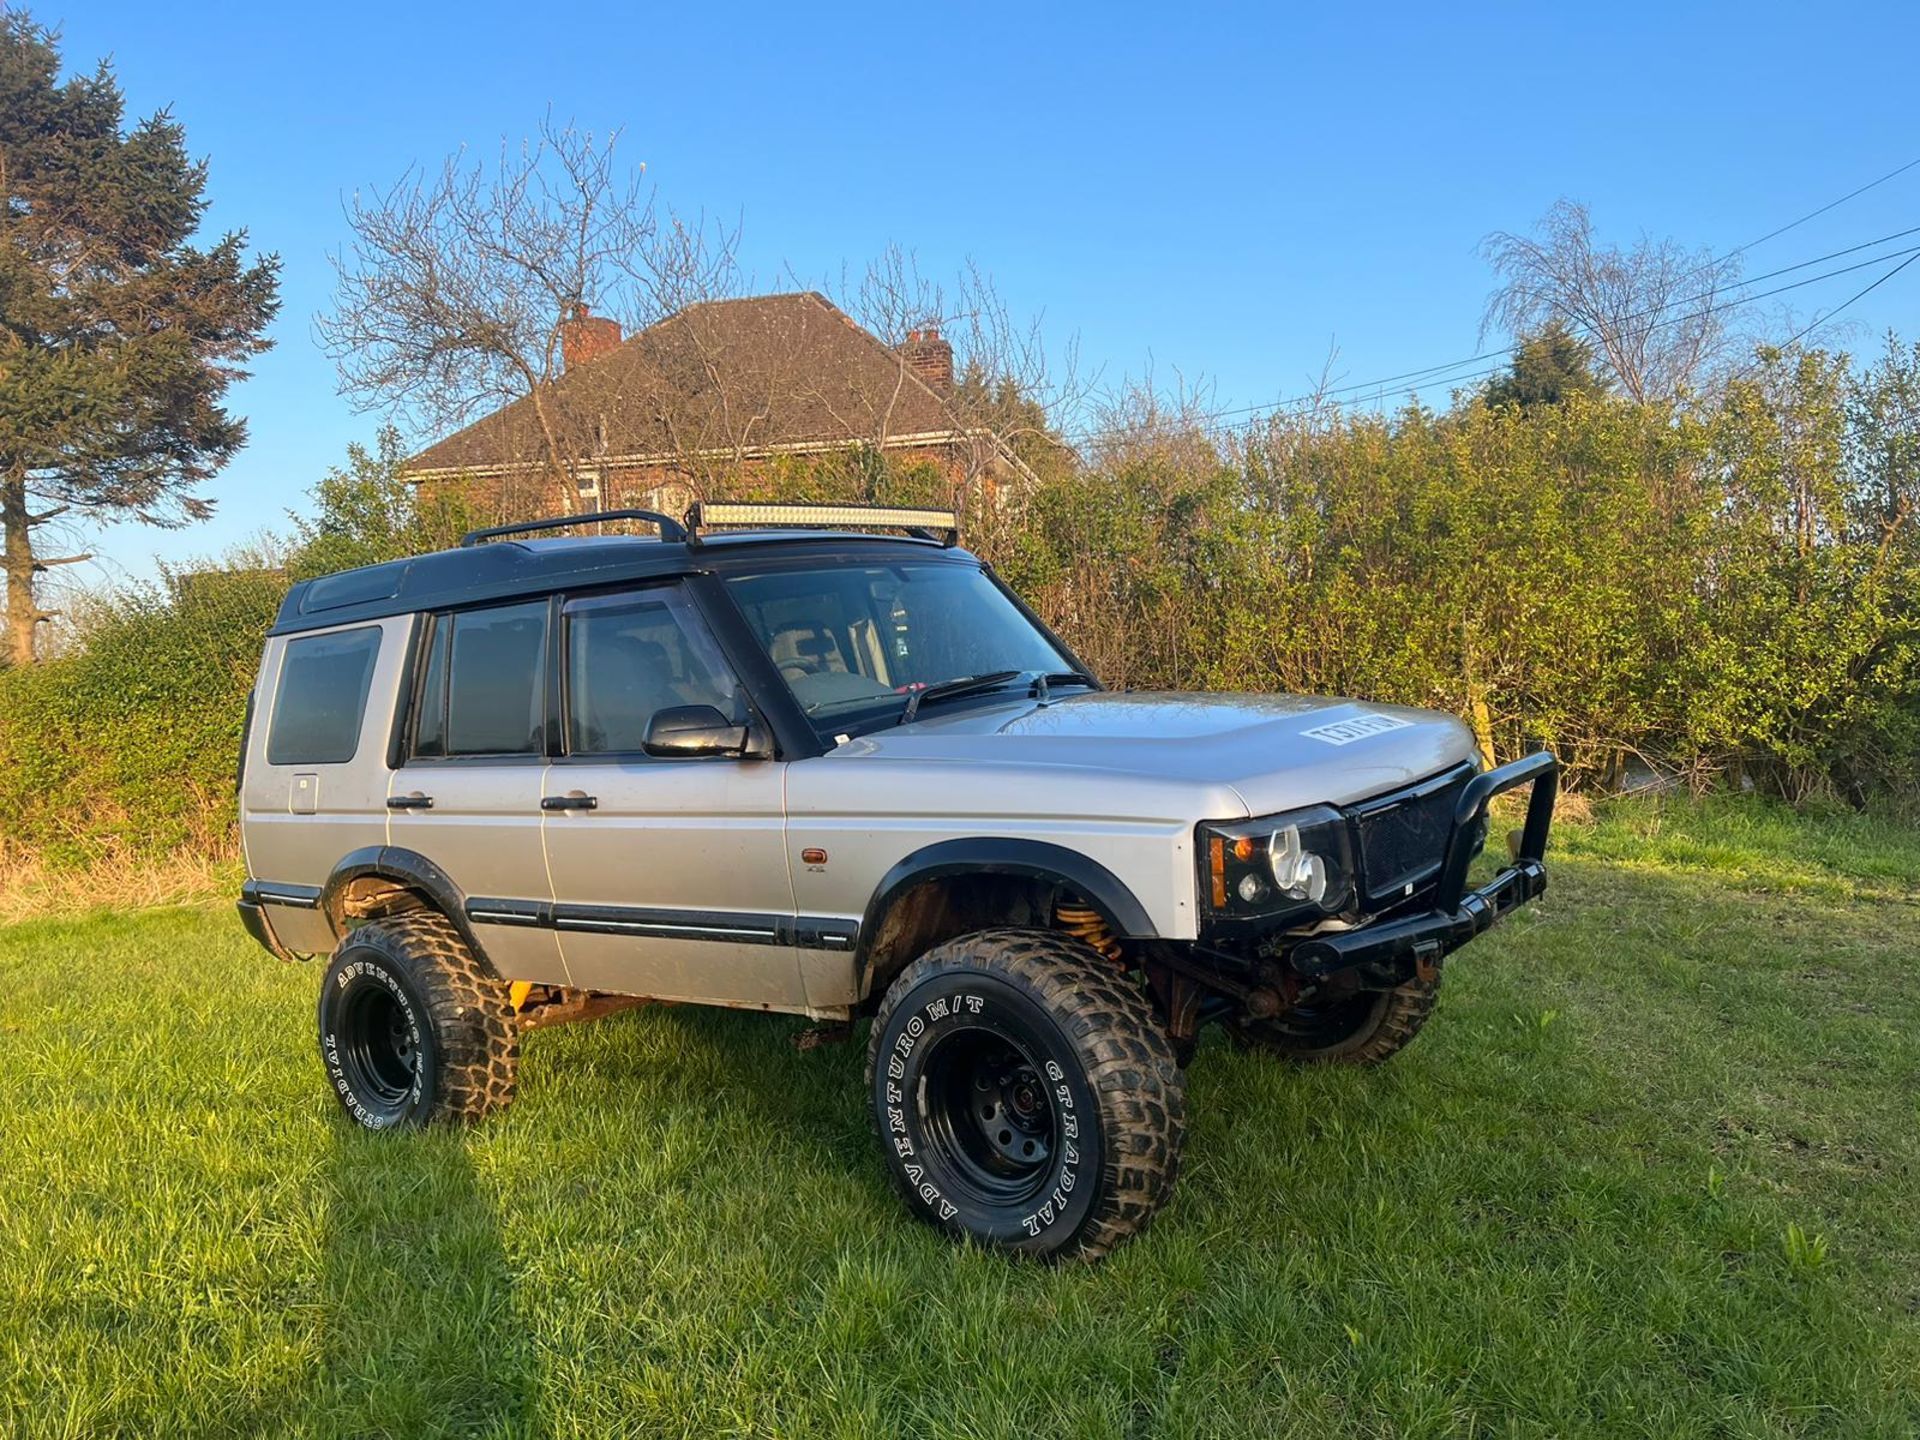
(128, 745)
(1730, 590)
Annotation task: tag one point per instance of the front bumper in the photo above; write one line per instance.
(1390, 952)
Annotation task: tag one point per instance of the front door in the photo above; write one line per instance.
(669, 876)
(467, 796)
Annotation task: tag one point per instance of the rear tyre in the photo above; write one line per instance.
(413, 1028)
(1025, 1095)
(1365, 1028)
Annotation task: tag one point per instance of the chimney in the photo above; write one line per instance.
(585, 337)
(931, 358)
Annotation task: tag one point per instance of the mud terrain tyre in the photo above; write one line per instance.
(1366, 1028)
(413, 1028)
(1025, 1094)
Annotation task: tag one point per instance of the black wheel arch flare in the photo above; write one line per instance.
(1037, 860)
(408, 868)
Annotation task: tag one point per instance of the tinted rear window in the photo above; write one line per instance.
(484, 692)
(322, 697)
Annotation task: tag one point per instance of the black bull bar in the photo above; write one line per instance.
(1392, 949)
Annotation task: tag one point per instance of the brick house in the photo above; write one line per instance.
(694, 406)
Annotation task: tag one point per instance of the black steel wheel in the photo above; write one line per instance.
(1025, 1094)
(1364, 1027)
(413, 1027)
(380, 1046)
(988, 1114)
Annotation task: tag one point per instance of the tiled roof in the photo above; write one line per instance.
(721, 377)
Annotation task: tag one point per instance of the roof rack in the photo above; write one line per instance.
(670, 529)
(939, 525)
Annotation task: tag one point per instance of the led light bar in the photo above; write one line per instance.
(706, 516)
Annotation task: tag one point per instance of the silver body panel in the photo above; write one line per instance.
(486, 831)
(687, 881)
(1121, 778)
(698, 844)
(297, 821)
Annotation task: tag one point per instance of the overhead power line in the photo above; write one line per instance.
(1643, 314)
(1437, 374)
(1812, 324)
(1912, 254)
(1814, 214)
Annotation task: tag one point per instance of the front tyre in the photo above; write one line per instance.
(1367, 1027)
(1025, 1094)
(413, 1028)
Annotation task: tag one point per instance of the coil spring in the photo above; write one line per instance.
(1083, 922)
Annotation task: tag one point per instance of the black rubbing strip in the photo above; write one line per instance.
(811, 932)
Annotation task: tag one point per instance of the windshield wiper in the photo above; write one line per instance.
(946, 689)
(1044, 682)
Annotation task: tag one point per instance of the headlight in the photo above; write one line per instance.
(1259, 869)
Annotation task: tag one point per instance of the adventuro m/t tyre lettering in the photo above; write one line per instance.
(1025, 1095)
(413, 1027)
(920, 1117)
(374, 1045)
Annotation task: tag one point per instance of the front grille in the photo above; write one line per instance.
(1403, 836)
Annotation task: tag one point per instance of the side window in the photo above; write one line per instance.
(484, 688)
(631, 656)
(321, 698)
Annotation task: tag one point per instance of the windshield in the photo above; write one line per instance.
(857, 642)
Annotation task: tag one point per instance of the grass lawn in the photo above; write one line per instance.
(1653, 1169)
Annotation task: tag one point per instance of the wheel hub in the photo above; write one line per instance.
(1010, 1120)
(378, 1049)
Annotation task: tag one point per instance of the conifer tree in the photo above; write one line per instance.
(118, 335)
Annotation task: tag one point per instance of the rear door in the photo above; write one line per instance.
(670, 876)
(467, 795)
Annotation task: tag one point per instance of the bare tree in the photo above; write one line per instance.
(1652, 313)
(1146, 423)
(452, 298)
(1008, 385)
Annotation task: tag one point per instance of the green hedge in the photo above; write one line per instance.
(129, 745)
(1731, 591)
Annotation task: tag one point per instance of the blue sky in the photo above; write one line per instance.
(1223, 193)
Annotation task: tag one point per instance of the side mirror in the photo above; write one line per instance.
(686, 731)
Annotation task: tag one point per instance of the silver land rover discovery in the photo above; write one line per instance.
(775, 759)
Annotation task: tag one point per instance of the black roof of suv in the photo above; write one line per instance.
(505, 568)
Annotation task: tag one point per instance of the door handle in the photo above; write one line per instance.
(415, 801)
(572, 800)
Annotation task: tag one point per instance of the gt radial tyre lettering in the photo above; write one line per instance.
(1025, 1095)
(413, 1028)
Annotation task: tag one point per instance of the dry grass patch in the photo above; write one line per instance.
(31, 890)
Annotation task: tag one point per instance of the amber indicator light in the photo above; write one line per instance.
(1219, 868)
(813, 855)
